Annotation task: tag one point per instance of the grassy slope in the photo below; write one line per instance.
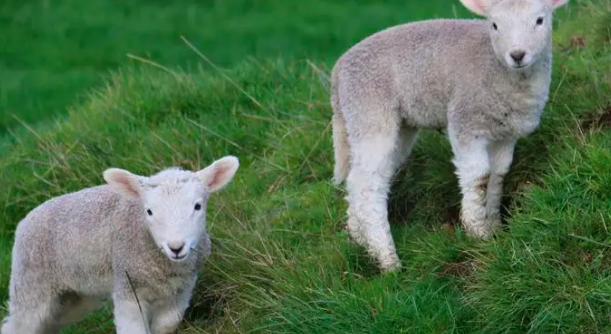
(282, 263)
(53, 51)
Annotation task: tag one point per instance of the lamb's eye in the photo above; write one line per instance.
(494, 26)
(539, 21)
(149, 212)
(198, 207)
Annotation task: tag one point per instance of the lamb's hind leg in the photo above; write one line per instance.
(373, 165)
(473, 169)
(407, 139)
(501, 156)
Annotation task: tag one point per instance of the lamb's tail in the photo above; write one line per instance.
(340, 136)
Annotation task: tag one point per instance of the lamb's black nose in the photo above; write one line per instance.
(518, 55)
(176, 248)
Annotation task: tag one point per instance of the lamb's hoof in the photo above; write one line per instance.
(485, 232)
(390, 268)
(389, 263)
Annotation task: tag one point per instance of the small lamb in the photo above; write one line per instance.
(485, 81)
(138, 241)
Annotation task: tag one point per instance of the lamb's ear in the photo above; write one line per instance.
(479, 7)
(219, 173)
(557, 3)
(123, 181)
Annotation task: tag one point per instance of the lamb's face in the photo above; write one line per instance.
(174, 202)
(176, 216)
(520, 30)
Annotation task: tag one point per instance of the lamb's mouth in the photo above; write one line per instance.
(520, 66)
(179, 258)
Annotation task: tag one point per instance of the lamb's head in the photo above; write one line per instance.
(174, 202)
(520, 30)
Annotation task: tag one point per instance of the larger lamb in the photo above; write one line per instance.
(485, 81)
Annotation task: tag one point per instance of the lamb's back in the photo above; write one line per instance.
(417, 65)
(70, 237)
(430, 48)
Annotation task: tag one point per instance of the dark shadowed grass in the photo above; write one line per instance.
(281, 261)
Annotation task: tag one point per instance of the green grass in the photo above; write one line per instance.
(54, 51)
(281, 261)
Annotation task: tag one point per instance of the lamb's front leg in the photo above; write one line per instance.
(167, 315)
(473, 170)
(130, 316)
(501, 156)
